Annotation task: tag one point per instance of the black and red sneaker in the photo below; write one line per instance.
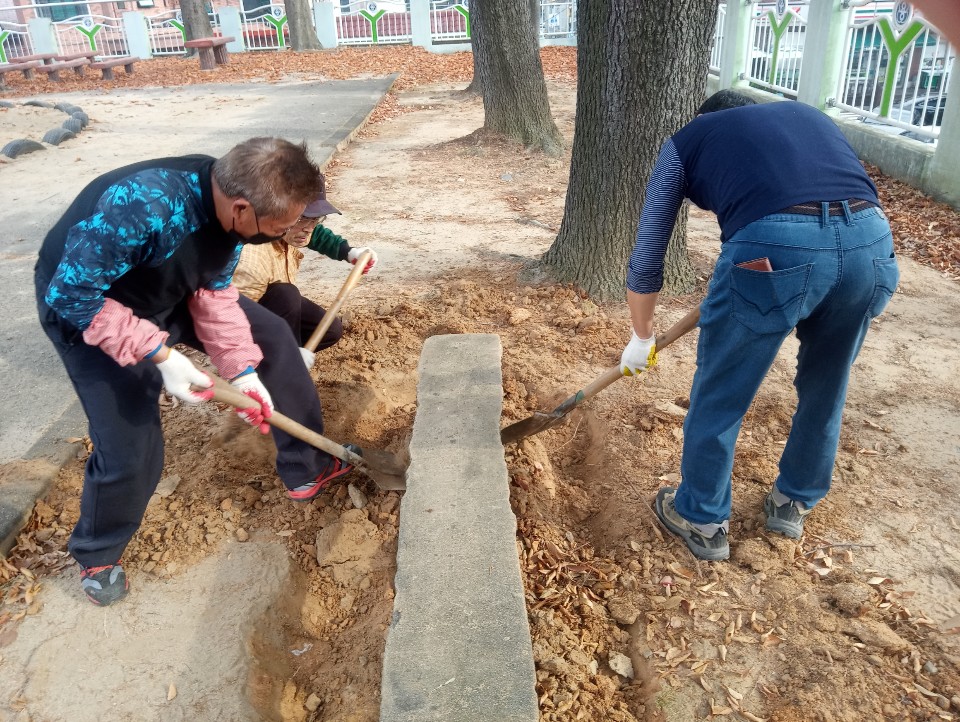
(104, 585)
(336, 469)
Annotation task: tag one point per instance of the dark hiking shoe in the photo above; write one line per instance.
(787, 519)
(104, 585)
(711, 549)
(336, 469)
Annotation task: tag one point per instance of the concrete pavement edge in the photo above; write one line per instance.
(33, 476)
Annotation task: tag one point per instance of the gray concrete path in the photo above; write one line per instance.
(128, 126)
(458, 648)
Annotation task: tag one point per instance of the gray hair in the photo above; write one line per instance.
(271, 173)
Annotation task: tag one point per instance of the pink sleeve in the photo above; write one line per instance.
(224, 330)
(124, 337)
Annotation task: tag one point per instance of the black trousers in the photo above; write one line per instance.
(121, 404)
(301, 314)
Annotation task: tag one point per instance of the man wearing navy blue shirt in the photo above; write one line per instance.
(787, 188)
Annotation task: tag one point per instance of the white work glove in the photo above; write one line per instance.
(355, 253)
(179, 373)
(262, 409)
(639, 355)
(308, 358)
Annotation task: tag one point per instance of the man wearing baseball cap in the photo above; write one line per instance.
(267, 273)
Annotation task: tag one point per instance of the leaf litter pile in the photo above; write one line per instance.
(626, 625)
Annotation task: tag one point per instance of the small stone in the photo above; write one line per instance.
(621, 664)
(168, 485)
(358, 498)
(226, 504)
(955, 701)
(242, 534)
(622, 611)
(943, 702)
(930, 667)
(313, 703)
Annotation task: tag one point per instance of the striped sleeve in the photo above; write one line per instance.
(223, 329)
(663, 198)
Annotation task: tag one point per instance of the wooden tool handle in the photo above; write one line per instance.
(685, 324)
(227, 394)
(331, 313)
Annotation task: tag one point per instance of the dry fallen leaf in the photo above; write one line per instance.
(171, 692)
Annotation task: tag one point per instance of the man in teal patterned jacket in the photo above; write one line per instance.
(142, 260)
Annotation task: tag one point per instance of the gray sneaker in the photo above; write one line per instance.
(787, 519)
(711, 549)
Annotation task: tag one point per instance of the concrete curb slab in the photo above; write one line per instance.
(459, 645)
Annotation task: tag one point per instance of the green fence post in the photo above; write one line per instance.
(4, 34)
(778, 29)
(466, 16)
(373, 22)
(278, 23)
(895, 46)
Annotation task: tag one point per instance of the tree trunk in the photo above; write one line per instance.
(477, 84)
(507, 54)
(303, 34)
(196, 22)
(642, 69)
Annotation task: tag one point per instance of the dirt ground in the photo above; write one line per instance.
(858, 621)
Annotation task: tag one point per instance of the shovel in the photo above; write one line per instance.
(542, 421)
(387, 470)
(331, 313)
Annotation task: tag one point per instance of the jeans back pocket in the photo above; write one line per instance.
(769, 302)
(887, 274)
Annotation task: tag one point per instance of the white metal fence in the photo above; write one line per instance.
(372, 23)
(166, 33)
(265, 27)
(896, 69)
(777, 36)
(14, 41)
(450, 21)
(716, 50)
(97, 33)
(558, 19)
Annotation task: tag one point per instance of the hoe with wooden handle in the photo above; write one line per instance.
(387, 470)
(542, 421)
(331, 313)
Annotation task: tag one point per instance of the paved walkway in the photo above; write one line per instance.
(38, 402)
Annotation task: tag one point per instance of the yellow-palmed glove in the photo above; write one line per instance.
(639, 355)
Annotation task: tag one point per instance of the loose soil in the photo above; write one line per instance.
(857, 621)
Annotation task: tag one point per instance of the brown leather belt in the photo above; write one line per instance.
(813, 208)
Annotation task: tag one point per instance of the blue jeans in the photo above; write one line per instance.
(832, 275)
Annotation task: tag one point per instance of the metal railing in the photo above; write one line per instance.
(166, 33)
(14, 41)
(265, 27)
(450, 22)
(716, 50)
(98, 33)
(372, 23)
(896, 69)
(777, 36)
(558, 19)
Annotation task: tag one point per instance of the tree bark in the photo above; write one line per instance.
(642, 68)
(303, 34)
(196, 22)
(507, 55)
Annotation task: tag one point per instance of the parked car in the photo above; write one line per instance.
(919, 111)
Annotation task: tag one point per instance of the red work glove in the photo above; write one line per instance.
(249, 383)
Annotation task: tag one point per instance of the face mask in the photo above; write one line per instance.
(257, 239)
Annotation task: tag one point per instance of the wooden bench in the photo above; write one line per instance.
(45, 58)
(25, 68)
(88, 54)
(53, 69)
(212, 51)
(107, 66)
